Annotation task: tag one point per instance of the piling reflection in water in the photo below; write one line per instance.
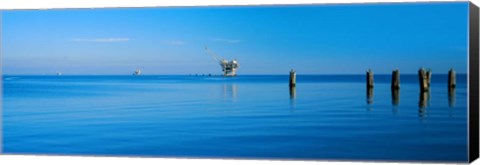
(395, 100)
(423, 103)
(369, 96)
(395, 97)
(293, 93)
(451, 97)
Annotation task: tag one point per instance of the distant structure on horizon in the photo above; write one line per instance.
(58, 73)
(229, 68)
(137, 72)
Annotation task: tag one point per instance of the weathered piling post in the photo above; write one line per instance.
(395, 87)
(369, 79)
(369, 86)
(429, 77)
(395, 80)
(452, 83)
(293, 78)
(292, 84)
(451, 88)
(422, 78)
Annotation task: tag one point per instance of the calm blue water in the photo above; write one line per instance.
(326, 117)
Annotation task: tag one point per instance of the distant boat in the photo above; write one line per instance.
(137, 72)
(59, 73)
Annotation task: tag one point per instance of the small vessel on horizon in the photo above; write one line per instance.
(137, 72)
(58, 73)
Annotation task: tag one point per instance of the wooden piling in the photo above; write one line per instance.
(452, 83)
(395, 80)
(369, 79)
(429, 77)
(422, 78)
(369, 86)
(293, 78)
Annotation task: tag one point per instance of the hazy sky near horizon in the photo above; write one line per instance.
(312, 39)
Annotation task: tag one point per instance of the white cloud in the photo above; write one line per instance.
(231, 41)
(101, 40)
(174, 42)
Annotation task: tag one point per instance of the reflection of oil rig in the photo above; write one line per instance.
(229, 68)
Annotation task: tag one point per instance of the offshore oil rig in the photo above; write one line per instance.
(229, 68)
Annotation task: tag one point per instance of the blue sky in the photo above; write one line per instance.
(313, 39)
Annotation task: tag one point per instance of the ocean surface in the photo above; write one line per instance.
(326, 117)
